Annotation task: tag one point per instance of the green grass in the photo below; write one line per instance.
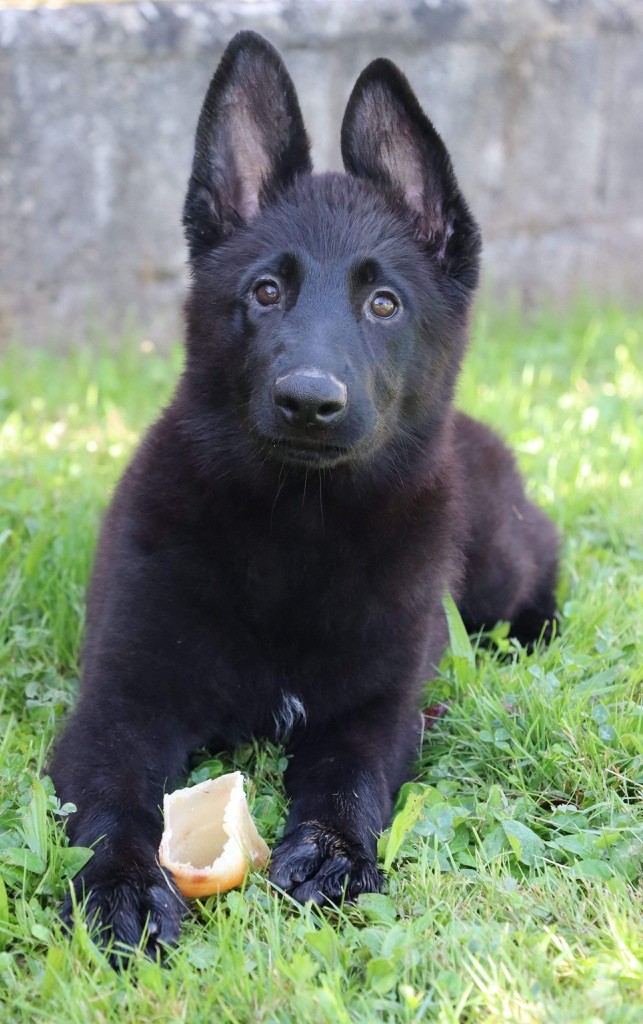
(517, 856)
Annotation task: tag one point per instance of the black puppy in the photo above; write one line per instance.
(275, 558)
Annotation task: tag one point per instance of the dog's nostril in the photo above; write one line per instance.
(329, 408)
(310, 398)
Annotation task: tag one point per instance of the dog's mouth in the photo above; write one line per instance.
(307, 452)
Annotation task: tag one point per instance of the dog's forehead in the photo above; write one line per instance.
(335, 219)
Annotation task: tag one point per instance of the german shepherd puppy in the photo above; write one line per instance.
(275, 558)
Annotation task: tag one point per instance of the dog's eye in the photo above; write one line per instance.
(384, 304)
(267, 293)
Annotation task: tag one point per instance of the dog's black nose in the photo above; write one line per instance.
(310, 398)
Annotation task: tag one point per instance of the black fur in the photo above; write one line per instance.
(260, 565)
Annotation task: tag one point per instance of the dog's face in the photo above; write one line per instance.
(327, 315)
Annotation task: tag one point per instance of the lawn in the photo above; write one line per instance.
(515, 862)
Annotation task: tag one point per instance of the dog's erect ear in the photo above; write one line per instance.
(250, 141)
(387, 138)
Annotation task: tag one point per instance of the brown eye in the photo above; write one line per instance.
(267, 293)
(383, 304)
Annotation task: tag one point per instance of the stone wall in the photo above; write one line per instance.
(540, 102)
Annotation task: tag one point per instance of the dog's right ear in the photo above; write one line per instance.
(250, 142)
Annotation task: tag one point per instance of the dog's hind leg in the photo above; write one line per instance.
(511, 554)
(536, 622)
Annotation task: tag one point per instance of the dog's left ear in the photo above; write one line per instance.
(387, 138)
(250, 141)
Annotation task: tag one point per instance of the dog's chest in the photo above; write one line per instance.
(295, 578)
(290, 587)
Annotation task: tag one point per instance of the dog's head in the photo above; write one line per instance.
(327, 315)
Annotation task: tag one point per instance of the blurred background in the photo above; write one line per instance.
(539, 101)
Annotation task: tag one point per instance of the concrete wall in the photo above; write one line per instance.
(541, 103)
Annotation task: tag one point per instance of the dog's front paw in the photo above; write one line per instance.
(121, 909)
(315, 863)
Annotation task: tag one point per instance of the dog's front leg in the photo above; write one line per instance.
(113, 762)
(342, 781)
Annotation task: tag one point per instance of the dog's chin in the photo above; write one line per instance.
(307, 453)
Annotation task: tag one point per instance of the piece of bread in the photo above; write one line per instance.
(210, 841)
